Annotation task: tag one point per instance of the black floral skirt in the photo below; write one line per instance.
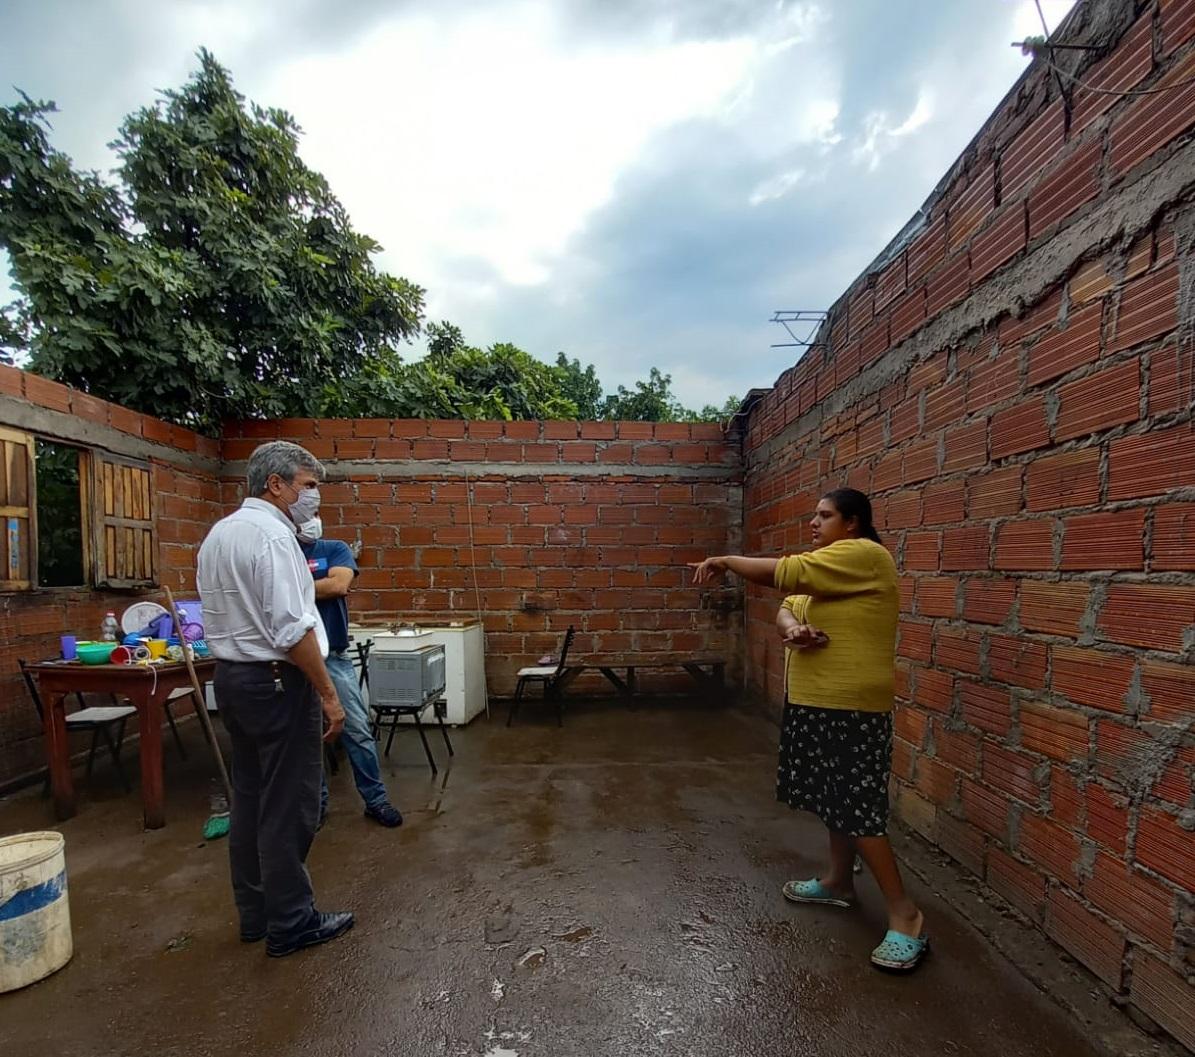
(835, 763)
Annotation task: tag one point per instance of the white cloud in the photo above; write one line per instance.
(880, 136)
(636, 182)
(485, 134)
(776, 186)
(794, 24)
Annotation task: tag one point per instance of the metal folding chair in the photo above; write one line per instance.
(361, 662)
(100, 720)
(549, 675)
(395, 713)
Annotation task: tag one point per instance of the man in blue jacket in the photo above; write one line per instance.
(334, 569)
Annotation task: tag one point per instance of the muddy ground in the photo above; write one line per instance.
(612, 888)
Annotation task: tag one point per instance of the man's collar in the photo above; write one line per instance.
(261, 504)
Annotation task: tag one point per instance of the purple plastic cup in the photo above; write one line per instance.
(69, 652)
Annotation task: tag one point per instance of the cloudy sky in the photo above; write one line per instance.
(635, 182)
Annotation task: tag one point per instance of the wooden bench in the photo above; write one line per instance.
(708, 672)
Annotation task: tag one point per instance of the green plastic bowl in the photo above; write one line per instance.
(95, 652)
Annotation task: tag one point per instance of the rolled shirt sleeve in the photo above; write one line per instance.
(288, 616)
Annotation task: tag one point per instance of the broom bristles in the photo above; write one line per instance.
(215, 827)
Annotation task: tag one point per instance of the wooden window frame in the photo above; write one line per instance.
(103, 513)
(27, 512)
(102, 523)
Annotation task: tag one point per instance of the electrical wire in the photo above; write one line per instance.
(1127, 93)
(1034, 49)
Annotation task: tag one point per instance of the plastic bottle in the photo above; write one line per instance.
(110, 628)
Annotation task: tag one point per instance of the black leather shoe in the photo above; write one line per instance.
(385, 814)
(323, 927)
(253, 937)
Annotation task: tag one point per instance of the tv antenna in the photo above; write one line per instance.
(802, 325)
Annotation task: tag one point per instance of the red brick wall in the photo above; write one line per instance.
(587, 524)
(186, 501)
(581, 523)
(1013, 385)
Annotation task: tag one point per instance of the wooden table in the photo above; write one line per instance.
(712, 681)
(146, 689)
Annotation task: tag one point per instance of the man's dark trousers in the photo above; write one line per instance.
(276, 768)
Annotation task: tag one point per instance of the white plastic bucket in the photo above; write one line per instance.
(35, 918)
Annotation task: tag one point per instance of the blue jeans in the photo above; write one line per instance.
(356, 737)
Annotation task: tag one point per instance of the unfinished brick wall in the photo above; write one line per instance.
(1013, 382)
(186, 501)
(541, 525)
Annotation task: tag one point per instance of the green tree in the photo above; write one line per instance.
(653, 401)
(455, 380)
(650, 401)
(14, 334)
(221, 279)
(581, 386)
(59, 519)
(711, 413)
(443, 339)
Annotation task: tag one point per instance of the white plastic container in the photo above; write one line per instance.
(35, 918)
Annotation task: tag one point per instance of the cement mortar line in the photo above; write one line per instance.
(1057, 638)
(1130, 210)
(1101, 577)
(1111, 506)
(60, 425)
(1145, 424)
(338, 470)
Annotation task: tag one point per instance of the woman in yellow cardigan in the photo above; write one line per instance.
(836, 741)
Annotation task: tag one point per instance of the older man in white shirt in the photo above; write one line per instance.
(274, 695)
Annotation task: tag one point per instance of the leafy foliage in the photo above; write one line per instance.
(14, 333)
(650, 401)
(653, 401)
(221, 279)
(456, 380)
(713, 413)
(581, 386)
(59, 517)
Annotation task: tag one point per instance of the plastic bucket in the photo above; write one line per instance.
(35, 918)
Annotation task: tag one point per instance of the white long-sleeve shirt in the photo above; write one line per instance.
(257, 590)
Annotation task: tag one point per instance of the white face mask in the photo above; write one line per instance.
(311, 530)
(306, 506)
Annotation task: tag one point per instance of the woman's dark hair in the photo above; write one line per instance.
(851, 503)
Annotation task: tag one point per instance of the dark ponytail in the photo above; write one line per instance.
(851, 503)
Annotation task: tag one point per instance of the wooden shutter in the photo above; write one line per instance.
(119, 508)
(18, 512)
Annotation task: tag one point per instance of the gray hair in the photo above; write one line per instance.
(279, 457)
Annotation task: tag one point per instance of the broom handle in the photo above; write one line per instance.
(200, 701)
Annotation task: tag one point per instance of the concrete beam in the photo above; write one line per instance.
(446, 468)
(60, 426)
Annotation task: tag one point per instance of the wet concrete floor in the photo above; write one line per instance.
(612, 888)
